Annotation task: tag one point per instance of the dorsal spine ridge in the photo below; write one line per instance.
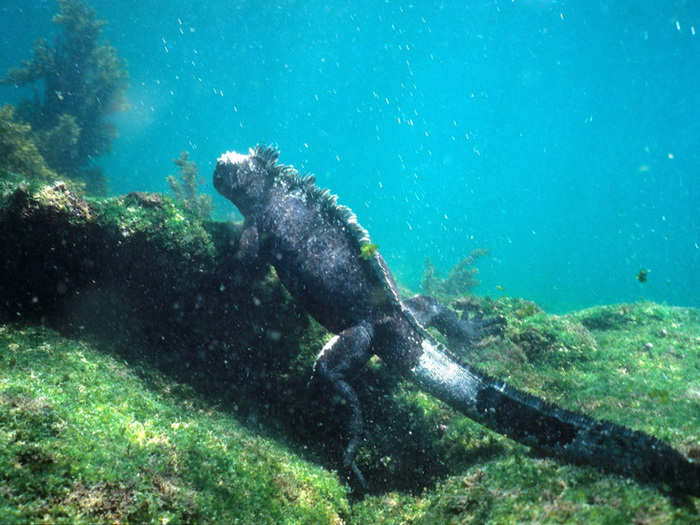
(327, 201)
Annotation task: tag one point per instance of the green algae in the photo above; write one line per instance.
(86, 439)
(503, 483)
(79, 424)
(185, 186)
(213, 407)
(157, 220)
(460, 281)
(18, 150)
(83, 82)
(368, 250)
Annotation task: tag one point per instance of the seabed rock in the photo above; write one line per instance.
(137, 278)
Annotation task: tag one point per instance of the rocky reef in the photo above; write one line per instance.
(147, 374)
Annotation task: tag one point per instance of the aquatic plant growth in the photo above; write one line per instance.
(175, 452)
(212, 408)
(88, 438)
(18, 150)
(459, 282)
(185, 186)
(83, 81)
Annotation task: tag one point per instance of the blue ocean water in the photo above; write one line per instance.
(564, 136)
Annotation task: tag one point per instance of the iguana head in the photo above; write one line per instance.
(245, 179)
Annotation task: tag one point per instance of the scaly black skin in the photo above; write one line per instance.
(316, 249)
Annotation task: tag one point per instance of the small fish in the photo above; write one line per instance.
(642, 275)
(368, 250)
(500, 288)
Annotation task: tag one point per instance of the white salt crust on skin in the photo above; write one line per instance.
(232, 157)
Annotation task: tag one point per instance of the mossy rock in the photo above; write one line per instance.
(227, 342)
(617, 317)
(558, 341)
(606, 317)
(86, 438)
(513, 309)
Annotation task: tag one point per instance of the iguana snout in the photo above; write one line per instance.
(242, 178)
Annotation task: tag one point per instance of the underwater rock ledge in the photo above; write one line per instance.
(57, 245)
(138, 270)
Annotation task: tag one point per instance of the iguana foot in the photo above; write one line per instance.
(339, 360)
(464, 331)
(476, 327)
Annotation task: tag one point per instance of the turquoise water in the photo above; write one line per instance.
(562, 136)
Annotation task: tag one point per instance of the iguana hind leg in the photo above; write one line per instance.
(337, 363)
(460, 331)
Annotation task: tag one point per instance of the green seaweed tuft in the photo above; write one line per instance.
(18, 151)
(185, 189)
(368, 250)
(459, 282)
(84, 81)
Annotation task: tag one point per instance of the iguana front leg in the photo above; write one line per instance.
(338, 362)
(248, 244)
(460, 331)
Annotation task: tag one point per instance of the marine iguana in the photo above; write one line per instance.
(316, 248)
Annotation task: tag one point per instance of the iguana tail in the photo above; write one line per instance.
(555, 431)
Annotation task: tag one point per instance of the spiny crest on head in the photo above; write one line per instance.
(327, 202)
(268, 154)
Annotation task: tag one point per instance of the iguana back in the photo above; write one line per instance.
(315, 244)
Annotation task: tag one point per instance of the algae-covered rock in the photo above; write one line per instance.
(530, 336)
(557, 340)
(60, 245)
(89, 438)
(203, 388)
(86, 438)
(616, 317)
(605, 317)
